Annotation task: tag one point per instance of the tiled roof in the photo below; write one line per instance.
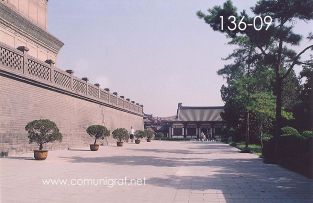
(200, 113)
(169, 118)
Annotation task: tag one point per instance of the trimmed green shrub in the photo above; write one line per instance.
(159, 136)
(98, 132)
(266, 137)
(149, 133)
(307, 133)
(120, 134)
(43, 131)
(139, 134)
(289, 131)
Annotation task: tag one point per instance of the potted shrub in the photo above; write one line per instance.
(120, 134)
(149, 134)
(139, 134)
(98, 132)
(41, 132)
(159, 136)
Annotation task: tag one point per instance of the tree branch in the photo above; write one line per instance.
(295, 61)
(262, 50)
(305, 63)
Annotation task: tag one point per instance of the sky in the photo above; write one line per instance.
(155, 52)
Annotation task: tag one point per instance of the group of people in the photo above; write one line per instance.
(208, 137)
(203, 137)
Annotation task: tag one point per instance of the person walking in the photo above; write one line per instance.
(202, 136)
(132, 134)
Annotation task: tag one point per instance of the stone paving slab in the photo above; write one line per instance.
(172, 171)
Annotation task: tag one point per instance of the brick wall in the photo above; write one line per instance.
(22, 102)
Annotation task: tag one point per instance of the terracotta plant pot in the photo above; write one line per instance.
(137, 141)
(40, 154)
(119, 144)
(4, 154)
(149, 140)
(94, 147)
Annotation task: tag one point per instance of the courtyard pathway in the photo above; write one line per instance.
(172, 172)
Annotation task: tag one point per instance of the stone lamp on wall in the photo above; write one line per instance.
(85, 79)
(69, 71)
(23, 49)
(115, 93)
(50, 61)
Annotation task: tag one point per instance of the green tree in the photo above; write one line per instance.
(303, 110)
(98, 132)
(43, 131)
(139, 134)
(120, 134)
(263, 107)
(149, 133)
(273, 45)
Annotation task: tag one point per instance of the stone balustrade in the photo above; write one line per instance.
(22, 66)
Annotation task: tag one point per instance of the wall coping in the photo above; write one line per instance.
(21, 66)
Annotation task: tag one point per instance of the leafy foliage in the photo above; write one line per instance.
(149, 133)
(253, 148)
(139, 134)
(159, 136)
(98, 132)
(261, 84)
(307, 133)
(289, 131)
(303, 109)
(266, 137)
(120, 134)
(43, 131)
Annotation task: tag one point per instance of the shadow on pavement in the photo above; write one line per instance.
(240, 178)
(243, 181)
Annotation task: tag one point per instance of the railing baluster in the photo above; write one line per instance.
(19, 61)
(25, 63)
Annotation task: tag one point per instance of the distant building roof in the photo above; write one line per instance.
(188, 114)
(169, 118)
(192, 113)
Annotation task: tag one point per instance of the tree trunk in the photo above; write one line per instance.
(278, 109)
(249, 90)
(278, 92)
(248, 130)
(95, 141)
(278, 117)
(261, 134)
(40, 146)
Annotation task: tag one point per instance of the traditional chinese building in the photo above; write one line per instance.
(190, 121)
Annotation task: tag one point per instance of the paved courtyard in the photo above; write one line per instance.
(164, 171)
